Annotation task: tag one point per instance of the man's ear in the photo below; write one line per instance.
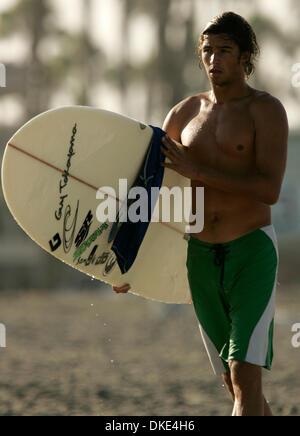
(245, 57)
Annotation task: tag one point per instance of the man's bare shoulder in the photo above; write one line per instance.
(181, 113)
(264, 104)
(186, 104)
(191, 102)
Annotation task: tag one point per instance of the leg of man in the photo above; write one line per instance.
(247, 385)
(228, 383)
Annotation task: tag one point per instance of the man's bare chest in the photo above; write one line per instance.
(223, 138)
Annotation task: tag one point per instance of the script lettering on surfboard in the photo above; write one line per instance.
(65, 175)
(69, 229)
(106, 257)
(58, 214)
(92, 259)
(110, 264)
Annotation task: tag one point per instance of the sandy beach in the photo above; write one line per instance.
(96, 353)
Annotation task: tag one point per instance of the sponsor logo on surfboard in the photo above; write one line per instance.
(84, 230)
(65, 175)
(55, 242)
(88, 242)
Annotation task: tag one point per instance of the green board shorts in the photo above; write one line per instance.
(233, 287)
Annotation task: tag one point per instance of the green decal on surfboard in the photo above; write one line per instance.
(89, 241)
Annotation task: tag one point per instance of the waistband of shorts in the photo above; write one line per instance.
(237, 241)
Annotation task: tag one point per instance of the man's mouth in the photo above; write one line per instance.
(214, 71)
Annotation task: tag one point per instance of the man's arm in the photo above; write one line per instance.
(171, 126)
(264, 182)
(176, 118)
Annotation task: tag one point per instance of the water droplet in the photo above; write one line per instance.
(111, 361)
(92, 305)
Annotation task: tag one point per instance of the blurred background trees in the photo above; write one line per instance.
(40, 74)
(58, 61)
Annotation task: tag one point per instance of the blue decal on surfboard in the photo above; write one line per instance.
(131, 234)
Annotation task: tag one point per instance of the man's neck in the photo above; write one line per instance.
(226, 93)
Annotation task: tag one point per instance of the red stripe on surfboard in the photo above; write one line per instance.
(32, 156)
(51, 166)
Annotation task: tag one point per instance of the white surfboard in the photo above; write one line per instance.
(51, 171)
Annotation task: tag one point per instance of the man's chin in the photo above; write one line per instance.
(218, 81)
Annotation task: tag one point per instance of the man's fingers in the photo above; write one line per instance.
(168, 165)
(171, 149)
(122, 289)
(167, 152)
(167, 142)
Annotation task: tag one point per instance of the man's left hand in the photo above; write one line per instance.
(181, 162)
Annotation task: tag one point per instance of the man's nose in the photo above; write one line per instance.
(214, 59)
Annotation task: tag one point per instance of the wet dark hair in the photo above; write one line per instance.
(238, 30)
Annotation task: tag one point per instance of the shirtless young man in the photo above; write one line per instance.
(232, 140)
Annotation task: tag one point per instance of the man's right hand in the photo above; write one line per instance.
(122, 290)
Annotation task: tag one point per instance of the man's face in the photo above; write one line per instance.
(222, 59)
